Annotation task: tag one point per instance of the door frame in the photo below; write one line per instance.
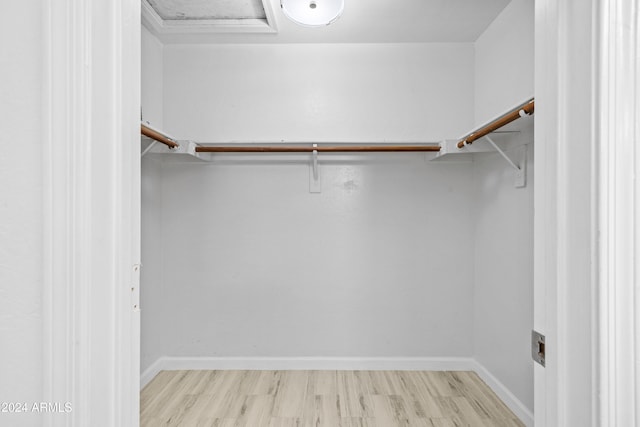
(91, 224)
(586, 212)
(92, 211)
(617, 131)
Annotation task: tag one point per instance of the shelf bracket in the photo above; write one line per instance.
(314, 173)
(502, 153)
(146, 150)
(521, 173)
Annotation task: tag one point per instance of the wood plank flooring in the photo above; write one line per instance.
(321, 399)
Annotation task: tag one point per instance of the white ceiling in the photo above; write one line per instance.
(363, 21)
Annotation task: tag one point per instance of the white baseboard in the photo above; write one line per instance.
(308, 364)
(342, 364)
(151, 372)
(512, 402)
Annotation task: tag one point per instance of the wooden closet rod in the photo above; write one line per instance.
(320, 149)
(501, 121)
(157, 136)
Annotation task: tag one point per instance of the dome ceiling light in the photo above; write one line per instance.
(312, 13)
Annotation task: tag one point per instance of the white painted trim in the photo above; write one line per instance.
(67, 243)
(91, 86)
(509, 399)
(308, 364)
(545, 171)
(151, 372)
(164, 29)
(271, 14)
(618, 132)
(587, 208)
(315, 363)
(342, 364)
(565, 197)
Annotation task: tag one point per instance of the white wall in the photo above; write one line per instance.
(255, 265)
(305, 92)
(21, 226)
(152, 302)
(503, 289)
(151, 296)
(241, 239)
(504, 61)
(503, 274)
(152, 89)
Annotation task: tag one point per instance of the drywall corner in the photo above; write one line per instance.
(504, 56)
(508, 398)
(152, 73)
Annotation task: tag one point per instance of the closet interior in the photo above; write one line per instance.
(324, 206)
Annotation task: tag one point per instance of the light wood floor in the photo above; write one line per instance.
(321, 398)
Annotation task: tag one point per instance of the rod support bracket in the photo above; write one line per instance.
(314, 173)
(315, 162)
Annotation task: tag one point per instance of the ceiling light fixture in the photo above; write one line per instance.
(312, 13)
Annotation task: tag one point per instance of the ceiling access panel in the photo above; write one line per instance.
(208, 9)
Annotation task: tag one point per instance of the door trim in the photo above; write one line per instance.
(618, 135)
(587, 197)
(91, 88)
(565, 233)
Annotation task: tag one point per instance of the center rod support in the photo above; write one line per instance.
(319, 149)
